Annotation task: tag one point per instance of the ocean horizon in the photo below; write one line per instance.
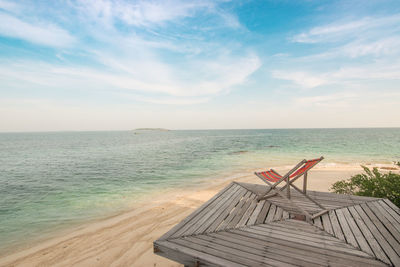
(52, 180)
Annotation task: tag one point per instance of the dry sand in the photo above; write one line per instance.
(126, 239)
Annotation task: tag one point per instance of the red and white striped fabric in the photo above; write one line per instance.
(273, 176)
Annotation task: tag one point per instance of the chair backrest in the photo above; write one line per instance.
(307, 165)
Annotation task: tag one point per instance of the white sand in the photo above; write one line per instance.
(126, 239)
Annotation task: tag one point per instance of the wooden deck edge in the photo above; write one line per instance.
(194, 213)
(188, 256)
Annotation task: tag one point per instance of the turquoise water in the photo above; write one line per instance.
(53, 180)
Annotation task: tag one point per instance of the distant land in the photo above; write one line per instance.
(152, 129)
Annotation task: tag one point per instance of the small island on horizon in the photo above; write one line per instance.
(152, 129)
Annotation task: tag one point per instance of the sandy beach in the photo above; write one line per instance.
(126, 239)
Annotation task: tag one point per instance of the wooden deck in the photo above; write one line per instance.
(233, 229)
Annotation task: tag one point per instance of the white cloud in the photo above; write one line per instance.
(331, 100)
(350, 54)
(329, 32)
(157, 82)
(340, 31)
(130, 56)
(302, 78)
(9, 6)
(381, 47)
(38, 33)
(142, 13)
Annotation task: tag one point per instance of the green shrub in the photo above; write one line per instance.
(371, 184)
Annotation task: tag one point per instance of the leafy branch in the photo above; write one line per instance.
(372, 183)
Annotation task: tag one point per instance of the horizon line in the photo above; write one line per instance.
(207, 129)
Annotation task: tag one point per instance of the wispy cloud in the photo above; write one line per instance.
(149, 13)
(344, 30)
(330, 100)
(42, 33)
(131, 53)
(345, 76)
(349, 53)
(174, 83)
(188, 52)
(301, 78)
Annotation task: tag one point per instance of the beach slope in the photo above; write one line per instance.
(127, 239)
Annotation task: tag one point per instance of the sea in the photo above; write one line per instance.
(55, 180)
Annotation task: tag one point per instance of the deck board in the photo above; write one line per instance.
(376, 248)
(224, 213)
(383, 242)
(234, 229)
(263, 214)
(253, 218)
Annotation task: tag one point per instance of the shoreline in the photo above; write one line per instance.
(126, 238)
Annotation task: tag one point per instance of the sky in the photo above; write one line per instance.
(120, 65)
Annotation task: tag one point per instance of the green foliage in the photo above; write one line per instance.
(372, 184)
(397, 163)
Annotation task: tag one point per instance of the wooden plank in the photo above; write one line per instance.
(390, 210)
(348, 234)
(234, 255)
(319, 256)
(392, 255)
(386, 219)
(263, 214)
(226, 212)
(271, 253)
(203, 216)
(209, 218)
(194, 214)
(308, 235)
(285, 215)
(336, 226)
(321, 251)
(363, 244)
(287, 204)
(341, 196)
(390, 239)
(257, 189)
(326, 222)
(240, 251)
(278, 214)
(291, 224)
(271, 214)
(248, 213)
(373, 215)
(318, 222)
(256, 212)
(325, 196)
(234, 211)
(305, 259)
(327, 244)
(393, 206)
(376, 248)
(282, 230)
(240, 213)
(187, 255)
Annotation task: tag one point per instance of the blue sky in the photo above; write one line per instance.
(119, 65)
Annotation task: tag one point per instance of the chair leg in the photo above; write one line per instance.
(308, 197)
(288, 188)
(319, 214)
(305, 183)
(308, 215)
(267, 196)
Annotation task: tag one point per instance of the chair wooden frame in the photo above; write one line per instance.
(289, 179)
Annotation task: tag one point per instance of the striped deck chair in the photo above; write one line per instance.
(273, 179)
